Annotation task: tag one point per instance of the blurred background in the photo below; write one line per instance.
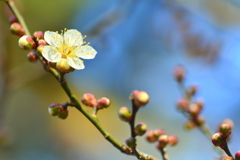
(138, 42)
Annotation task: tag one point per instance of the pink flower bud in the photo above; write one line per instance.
(140, 98)
(17, 29)
(54, 109)
(200, 103)
(150, 137)
(225, 130)
(163, 141)
(103, 103)
(217, 139)
(192, 90)
(179, 73)
(226, 121)
(38, 35)
(131, 142)
(200, 120)
(26, 43)
(189, 125)
(194, 109)
(237, 156)
(153, 135)
(12, 19)
(42, 42)
(63, 114)
(89, 100)
(32, 57)
(172, 140)
(159, 132)
(182, 104)
(140, 129)
(40, 48)
(125, 114)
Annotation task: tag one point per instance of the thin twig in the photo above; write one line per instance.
(132, 126)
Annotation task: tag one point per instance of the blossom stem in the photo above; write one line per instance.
(15, 11)
(132, 125)
(123, 148)
(226, 149)
(74, 101)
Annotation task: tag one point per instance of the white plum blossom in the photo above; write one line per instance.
(68, 45)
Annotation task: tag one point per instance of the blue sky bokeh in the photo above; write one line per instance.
(140, 42)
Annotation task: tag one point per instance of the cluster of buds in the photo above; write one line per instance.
(139, 99)
(159, 136)
(185, 104)
(224, 130)
(36, 41)
(220, 139)
(193, 110)
(89, 100)
(15, 27)
(59, 110)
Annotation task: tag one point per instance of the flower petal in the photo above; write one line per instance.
(85, 52)
(51, 54)
(75, 63)
(53, 38)
(73, 37)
